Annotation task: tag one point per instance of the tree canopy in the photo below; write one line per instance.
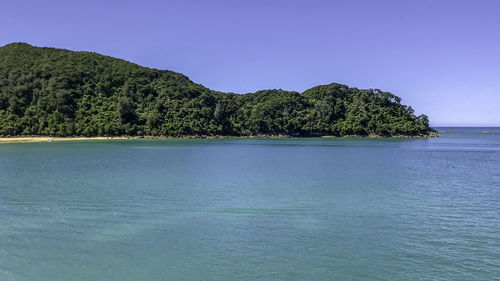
(48, 91)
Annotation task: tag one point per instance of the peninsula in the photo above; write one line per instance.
(61, 93)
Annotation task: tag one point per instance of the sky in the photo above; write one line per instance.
(441, 57)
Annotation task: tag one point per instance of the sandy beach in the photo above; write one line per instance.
(51, 139)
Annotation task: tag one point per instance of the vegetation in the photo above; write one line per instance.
(54, 92)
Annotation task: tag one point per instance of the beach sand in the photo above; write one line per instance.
(50, 139)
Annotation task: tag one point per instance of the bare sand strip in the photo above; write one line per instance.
(51, 139)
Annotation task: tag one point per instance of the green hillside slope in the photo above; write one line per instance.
(47, 91)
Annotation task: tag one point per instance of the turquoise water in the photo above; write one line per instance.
(291, 209)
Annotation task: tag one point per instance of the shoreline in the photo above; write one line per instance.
(33, 139)
(23, 139)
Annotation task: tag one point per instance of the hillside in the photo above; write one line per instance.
(55, 92)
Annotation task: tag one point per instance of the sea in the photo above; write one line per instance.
(252, 209)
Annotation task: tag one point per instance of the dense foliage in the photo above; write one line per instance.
(47, 91)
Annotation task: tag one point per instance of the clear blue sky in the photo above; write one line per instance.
(442, 57)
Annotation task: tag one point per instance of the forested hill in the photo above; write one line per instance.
(47, 91)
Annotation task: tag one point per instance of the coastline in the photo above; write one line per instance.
(33, 139)
(22, 139)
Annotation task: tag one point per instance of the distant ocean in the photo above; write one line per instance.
(253, 209)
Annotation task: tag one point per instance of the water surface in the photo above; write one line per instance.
(252, 209)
